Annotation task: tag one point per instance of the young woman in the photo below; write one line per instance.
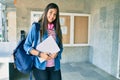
(49, 25)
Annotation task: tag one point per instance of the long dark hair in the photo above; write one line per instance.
(44, 22)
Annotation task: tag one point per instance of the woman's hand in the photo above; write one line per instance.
(53, 55)
(45, 56)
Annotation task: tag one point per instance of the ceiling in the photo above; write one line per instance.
(8, 3)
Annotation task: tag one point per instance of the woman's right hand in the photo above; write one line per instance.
(45, 56)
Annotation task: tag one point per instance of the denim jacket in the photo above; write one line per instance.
(30, 44)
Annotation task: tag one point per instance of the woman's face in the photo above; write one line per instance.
(51, 15)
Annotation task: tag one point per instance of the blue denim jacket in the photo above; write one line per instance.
(30, 44)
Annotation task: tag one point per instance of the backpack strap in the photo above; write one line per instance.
(37, 25)
(38, 29)
(31, 75)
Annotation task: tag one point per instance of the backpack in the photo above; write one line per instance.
(24, 62)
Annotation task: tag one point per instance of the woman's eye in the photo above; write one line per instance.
(55, 14)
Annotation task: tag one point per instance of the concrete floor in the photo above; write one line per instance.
(84, 71)
(76, 71)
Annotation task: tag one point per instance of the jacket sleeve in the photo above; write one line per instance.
(28, 45)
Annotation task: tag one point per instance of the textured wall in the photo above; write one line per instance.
(64, 5)
(104, 35)
(75, 54)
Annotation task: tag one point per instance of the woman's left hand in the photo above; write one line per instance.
(53, 55)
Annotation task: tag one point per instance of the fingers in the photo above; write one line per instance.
(48, 56)
(45, 56)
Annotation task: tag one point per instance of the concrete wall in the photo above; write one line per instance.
(75, 54)
(11, 16)
(104, 35)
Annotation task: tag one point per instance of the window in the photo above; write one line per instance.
(75, 28)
